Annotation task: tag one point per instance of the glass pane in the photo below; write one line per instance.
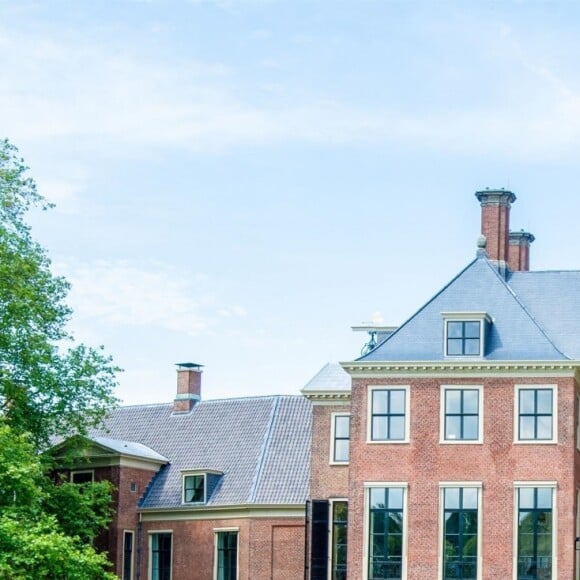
(470, 522)
(452, 401)
(470, 401)
(377, 522)
(380, 402)
(526, 498)
(527, 401)
(451, 495)
(397, 431)
(379, 429)
(341, 450)
(395, 523)
(472, 329)
(470, 428)
(397, 402)
(455, 329)
(452, 428)
(527, 428)
(340, 511)
(341, 426)
(472, 346)
(396, 498)
(451, 522)
(469, 546)
(544, 427)
(377, 496)
(545, 401)
(470, 498)
(545, 498)
(454, 346)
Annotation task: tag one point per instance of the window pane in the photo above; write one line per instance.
(544, 427)
(470, 428)
(341, 426)
(379, 429)
(470, 498)
(452, 428)
(526, 498)
(527, 401)
(454, 346)
(452, 401)
(397, 428)
(455, 329)
(527, 427)
(378, 498)
(544, 498)
(544, 401)
(341, 450)
(451, 498)
(472, 346)
(395, 498)
(397, 402)
(470, 401)
(380, 402)
(472, 329)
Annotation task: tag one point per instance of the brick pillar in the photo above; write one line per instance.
(495, 221)
(519, 251)
(188, 387)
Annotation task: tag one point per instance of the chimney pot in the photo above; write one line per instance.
(519, 251)
(495, 221)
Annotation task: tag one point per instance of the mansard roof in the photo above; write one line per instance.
(534, 316)
(259, 445)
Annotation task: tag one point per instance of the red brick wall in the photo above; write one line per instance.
(423, 463)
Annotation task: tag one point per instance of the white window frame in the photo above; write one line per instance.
(578, 422)
(482, 317)
(554, 486)
(331, 503)
(81, 471)
(132, 573)
(443, 390)
(517, 440)
(464, 484)
(366, 548)
(190, 474)
(333, 417)
(217, 531)
(371, 389)
(151, 533)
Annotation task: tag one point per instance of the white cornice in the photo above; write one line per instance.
(327, 397)
(223, 512)
(434, 369)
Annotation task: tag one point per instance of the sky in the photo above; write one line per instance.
(237, 182)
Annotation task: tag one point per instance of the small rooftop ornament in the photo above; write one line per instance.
(481, 246)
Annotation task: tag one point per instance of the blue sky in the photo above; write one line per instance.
(237, 182)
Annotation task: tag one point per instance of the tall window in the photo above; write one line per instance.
(128, 556)
(460, 532)
(536, 414)
(461, 421)
(388, 414)
(193, 488)
(341, 438)
(161, 556)
(386, 528)
(463, 338)
(227, 555)
(339, 539)
(535, 533)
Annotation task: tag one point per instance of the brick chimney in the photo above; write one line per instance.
(188, 387)
(519, 251)
(495, 221)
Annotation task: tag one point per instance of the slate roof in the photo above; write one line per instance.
(535, 316)
(331, 378)
(130, 448)
(260, 444)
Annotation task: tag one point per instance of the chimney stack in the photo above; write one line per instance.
(495, 222)
(188, 387)
(519, 251)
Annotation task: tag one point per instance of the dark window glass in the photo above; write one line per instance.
(82, 477)
(461, 414)
(319, 559)
(194, 489)
(460, 533)
(534, 533)
(463, 338)
(386, 533)
(535, 414)
(128, 556)
(388, 415)
(339, 537)
(341, 438)
(161, 556)
(227, 554)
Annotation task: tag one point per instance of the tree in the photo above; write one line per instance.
(49, 386)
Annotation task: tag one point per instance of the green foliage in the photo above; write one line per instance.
(48, 385)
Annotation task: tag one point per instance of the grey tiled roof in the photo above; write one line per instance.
(331, 377)
(535, 316)
(260, 444)
(130, 448)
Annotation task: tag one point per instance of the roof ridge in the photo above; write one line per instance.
(513, 294)
(264, 451)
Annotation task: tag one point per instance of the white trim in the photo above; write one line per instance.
(460, 484)
(367, 486)
(333, 416)
(185, 474)
(482, 317)
(331, 503)
(82, 471)
(549, 484)
(216, 533)
(480, 423)
(244, 511)
(150, 554)
(132, 574)
(554, 439)
(370, 390)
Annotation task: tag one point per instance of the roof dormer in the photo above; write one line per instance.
(465, 333)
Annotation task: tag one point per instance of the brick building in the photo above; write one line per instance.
(205, 490)
(450, 448)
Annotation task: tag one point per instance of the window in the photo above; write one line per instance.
(226, 555)
(465, 333)
(160, 556)
(128, 555)
(82, 476)
(461, 532)
(194, 488)
(389, 418)
(386, 533)
(461, 420)
(535, 532)
(339, 539)
(340, 437)
(536, 416)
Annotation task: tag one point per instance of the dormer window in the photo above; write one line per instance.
(465, 333)
(194, 488)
